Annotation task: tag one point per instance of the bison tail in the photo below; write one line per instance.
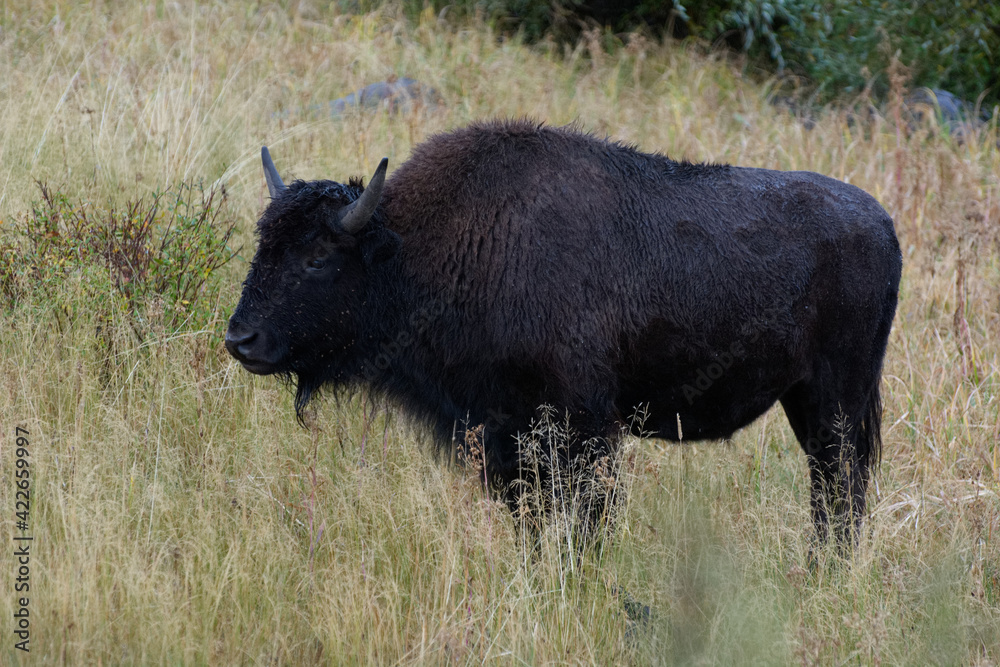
(869, 432)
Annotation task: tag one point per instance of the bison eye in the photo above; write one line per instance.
(317, 263)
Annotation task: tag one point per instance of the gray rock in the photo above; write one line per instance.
(395, 96)
(958, 116)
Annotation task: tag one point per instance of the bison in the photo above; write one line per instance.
(510, 264)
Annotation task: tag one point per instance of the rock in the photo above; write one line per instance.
(951, 112)
(394, 95)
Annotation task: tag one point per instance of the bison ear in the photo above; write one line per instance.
(379, 245)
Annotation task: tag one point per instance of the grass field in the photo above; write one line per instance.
(180, 514)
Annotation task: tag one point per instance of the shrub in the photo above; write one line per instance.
(839, 47)
(163, 249)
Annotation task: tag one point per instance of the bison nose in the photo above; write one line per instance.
(235, 339)
(254, 348)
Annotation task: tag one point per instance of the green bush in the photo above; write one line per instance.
(839, 48)
(846, 46)
(161, 251)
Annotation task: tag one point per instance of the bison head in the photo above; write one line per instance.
(304, 299)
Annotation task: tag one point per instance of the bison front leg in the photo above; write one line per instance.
(564, 470)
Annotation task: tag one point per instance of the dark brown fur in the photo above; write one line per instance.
(511, 265)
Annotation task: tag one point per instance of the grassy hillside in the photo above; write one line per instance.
(180, 514)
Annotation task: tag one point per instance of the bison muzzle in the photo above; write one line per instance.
(509, 265)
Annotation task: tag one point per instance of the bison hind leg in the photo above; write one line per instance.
(839, 428)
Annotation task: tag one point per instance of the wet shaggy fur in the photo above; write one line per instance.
(511, 265)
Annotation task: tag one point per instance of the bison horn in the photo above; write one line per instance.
(356, 215)
(274, 183)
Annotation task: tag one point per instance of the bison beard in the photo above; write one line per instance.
(510, 265)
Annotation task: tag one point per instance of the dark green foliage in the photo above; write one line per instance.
(839, 48)
(158, 251)
(844, 46)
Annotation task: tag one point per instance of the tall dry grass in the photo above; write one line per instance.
(181, 515)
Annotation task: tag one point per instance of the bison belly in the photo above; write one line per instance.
(678, 389)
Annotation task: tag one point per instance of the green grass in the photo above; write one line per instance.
(182, 516)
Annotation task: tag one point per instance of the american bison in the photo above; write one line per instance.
(509, 265)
